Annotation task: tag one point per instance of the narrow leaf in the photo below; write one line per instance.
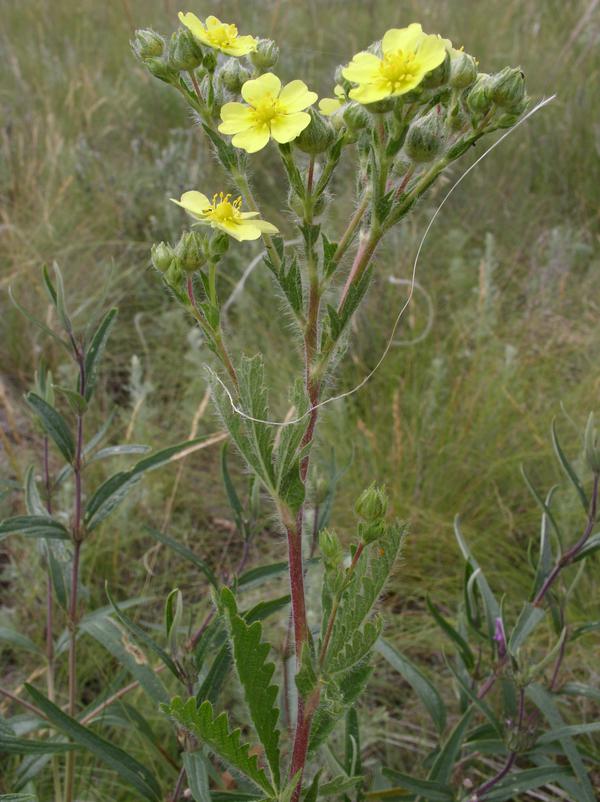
(54, 425)
(436, 792)
(95, 350)
(33, 526)
(186, 553)
(568, 469)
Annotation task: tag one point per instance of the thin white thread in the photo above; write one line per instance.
(390, 342)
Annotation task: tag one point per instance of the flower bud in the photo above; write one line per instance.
(266, 54)
(372, 504)
(591, 447)
(317, 136)
(508, 88)
(147, 44)
(439, 75)
(425, 137)
(160, 69)
(463, 70)
(371, 532)
(234, 75)
(218, 245)
(210, 61)
(189, 251)
(331, 549)
(162, 255)
(174, 274)
(479, 99)
(184, 52)
(355, 117)
(320, 487)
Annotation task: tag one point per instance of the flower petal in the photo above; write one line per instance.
(296, 96)
(371, 93)
(268, 85)
(253, 139)
(431, 53)
(265, 227)
(405, 39)
(239, 231)
(329, 105)
(193, 202)
(248, 215)
(241, 46)
(288, 126)
(236, 117)
(193, 24)
(364, 67)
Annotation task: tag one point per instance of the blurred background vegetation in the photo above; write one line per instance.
(91, 149)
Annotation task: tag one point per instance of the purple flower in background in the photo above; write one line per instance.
(500, 638)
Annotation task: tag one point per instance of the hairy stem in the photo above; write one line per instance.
(244, 187)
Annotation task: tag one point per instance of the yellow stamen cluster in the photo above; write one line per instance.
(225, 215)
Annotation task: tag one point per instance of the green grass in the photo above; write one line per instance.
(91, 149)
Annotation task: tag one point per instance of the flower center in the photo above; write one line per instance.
(221, 34)
(398, 67)
(223, 210)
(267, 109)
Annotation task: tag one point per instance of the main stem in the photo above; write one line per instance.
(73, 598)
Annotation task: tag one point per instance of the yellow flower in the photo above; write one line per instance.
(271, 112)
(218, 35)
(225, 215)
(408, 55)
(329, 105)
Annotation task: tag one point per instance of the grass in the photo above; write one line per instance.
(91, 149)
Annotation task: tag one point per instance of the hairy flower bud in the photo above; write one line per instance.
(174, 274)
(372, 504)
(218, 245)
(266, 54)
(317, 136)
(355, 117)
(331, 549)
(147, 44)
(439, 76)
(209, 61)
(479, 99)
(508, 88)
(233, 75)
(189, 251)
(184, 51)
(160, 69)
(162, 255)
(425, 137)
(463, 70)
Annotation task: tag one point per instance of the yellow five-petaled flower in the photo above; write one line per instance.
(329, 105)
(218, 35)
(225, 215)
(271, 112)
(408, 54)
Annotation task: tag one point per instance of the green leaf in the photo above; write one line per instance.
(234, 499)
(33, 500)
(579, 689)
(456, 637)
(522, 781)
(129, 769)
(339, 785)
(186, 553)
(57, 295)
(569, 731)
(544, 702)
(95, 351)
(112, 492)
(119, 451)
(424, 689)
(75, 400)
(591, 547)
(338, 695)
(492, 608)
(18, 798)
(250, 655)
(443, 765)
(27, 746)
(54, 425)
(569, 470)
(194, 764)
(358, 599)
(16, 639)
(142, 636)
(33, 526)
(436, 792)
(479, 703)
(215, 733)
(257, 576)
(32, 319)
(547, 515)
(528, 619)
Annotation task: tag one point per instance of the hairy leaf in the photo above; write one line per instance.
(54, 425)
(33, 526)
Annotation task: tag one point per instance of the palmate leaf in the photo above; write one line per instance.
(370, 575)
(215, 733)
(255, 674)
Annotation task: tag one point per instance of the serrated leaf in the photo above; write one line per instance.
(33, 526)
(357, 601)
(544, 702)
(129, 769)
(359, 646)
(215, 733)
(428, 789)
(338, 695)
(114, 490)
(54, 425)
(424, 689)
(250, 655)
